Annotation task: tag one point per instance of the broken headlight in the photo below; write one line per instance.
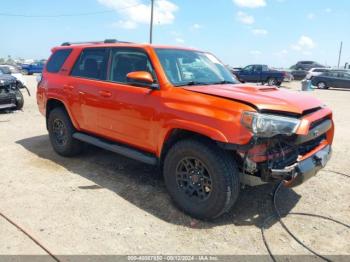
(265, 125)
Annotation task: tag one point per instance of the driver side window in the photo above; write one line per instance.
(125, 61)
(248, 68)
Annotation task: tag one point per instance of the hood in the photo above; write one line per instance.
(263, 98)
(8, 79)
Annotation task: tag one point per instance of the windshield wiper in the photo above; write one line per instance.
(193, 83)
(223, 82)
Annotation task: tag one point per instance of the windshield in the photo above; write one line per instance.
(187, 67)
(5, 70)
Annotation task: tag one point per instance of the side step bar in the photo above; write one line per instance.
(117, 148)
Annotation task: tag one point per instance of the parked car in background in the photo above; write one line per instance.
(334, 78)
(260, 74)
(10, 95)
(306, 65)
(316, 72)
(299, 74)
(29, 69)
(12, 70)
(288, 76)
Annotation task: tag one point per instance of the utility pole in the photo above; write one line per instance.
(341, 47)
(151, 23)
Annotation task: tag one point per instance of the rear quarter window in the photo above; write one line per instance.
(57, 60)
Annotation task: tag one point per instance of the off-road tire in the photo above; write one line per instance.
(223, 172)
(25, 72)
(68, 146)
(19, 100)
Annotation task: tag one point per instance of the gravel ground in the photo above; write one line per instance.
(102, 203)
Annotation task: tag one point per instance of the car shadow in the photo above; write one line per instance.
(143, 186)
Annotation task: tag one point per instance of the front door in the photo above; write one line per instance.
(127, 112)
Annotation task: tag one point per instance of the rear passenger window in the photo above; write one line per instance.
(92, 64)
(57, 60)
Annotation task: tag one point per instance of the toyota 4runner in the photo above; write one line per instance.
(182, 110)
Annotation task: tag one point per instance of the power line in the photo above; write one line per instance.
(64, 15)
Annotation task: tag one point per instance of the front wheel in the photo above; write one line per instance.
(19, 100)
(202, 179)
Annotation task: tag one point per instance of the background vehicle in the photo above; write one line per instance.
(29, 69)
(181, 109)
(299, 74)
(260, 74)
(10, 96)
(334, 78)
(9, 69)
(316, 72)
(288, 76)
(306, 65)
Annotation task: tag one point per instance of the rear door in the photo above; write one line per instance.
(88, 78)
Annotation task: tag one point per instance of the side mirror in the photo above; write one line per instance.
(141, 78)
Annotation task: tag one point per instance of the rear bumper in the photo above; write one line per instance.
(302, 170)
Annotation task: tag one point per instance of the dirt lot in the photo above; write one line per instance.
(102, 203)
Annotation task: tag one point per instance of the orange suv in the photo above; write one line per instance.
(182, 110)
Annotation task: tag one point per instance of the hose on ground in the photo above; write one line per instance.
(277, 215)
(30, 236)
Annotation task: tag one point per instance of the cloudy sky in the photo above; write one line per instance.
(239, 32)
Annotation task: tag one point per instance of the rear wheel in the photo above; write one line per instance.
(322, 85)
(61, 132)
(202, 179)
(272, 81)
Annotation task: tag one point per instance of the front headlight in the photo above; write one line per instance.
(2, 82)
(265, 125)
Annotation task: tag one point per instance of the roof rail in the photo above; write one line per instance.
(107, 41)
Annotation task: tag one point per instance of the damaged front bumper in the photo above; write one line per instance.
(305, 168)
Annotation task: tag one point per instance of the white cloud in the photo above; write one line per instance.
(134, 12)
(179, 40)
(245, 18)
(127, 24)
(255, 52)
(311, 16)
(196, 27)
(328, 10)
(304, 44)
(250, 3)
(259, 31)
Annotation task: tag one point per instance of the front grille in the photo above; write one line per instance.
(310, 145)
(319, 121)
(7, 97)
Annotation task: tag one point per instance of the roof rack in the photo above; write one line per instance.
(107, 41)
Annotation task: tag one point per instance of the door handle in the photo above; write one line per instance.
(105, 93)
(68, 87)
